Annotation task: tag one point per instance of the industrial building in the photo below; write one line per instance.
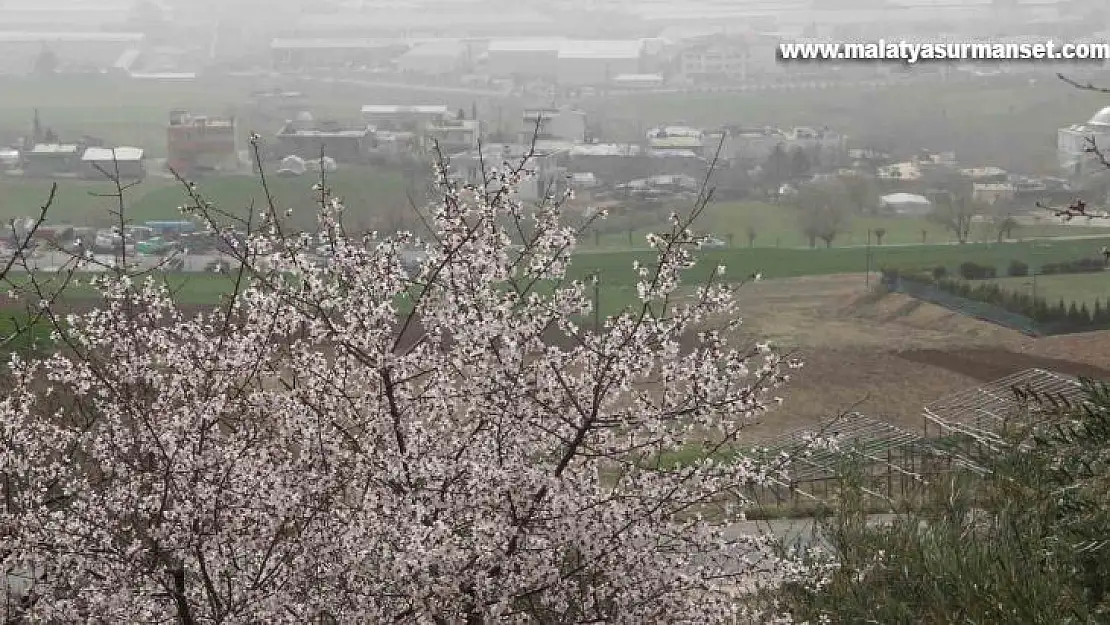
(404, 117)
(436, 58)
(51, 159)
(198, 143)
(459, 20)
(125, 162)
(755, 145)
(523, 57)
(20, 51)
(39, 15)
(585, 63)
(569, 62)
(331, 52)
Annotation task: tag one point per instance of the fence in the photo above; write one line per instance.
(969, 307)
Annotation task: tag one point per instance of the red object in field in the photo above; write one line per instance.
(201, 143)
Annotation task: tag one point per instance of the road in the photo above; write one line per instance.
(53, 261)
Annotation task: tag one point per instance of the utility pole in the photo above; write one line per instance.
(867, 278)
(597, 302)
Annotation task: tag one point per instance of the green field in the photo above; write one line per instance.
(1079, 288)
(366, 194)
(617, 277)
(777, 226)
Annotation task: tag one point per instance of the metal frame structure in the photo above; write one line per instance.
(892, 461)
(982, 413)
(813, 459)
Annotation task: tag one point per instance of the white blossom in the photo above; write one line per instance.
(316, 450)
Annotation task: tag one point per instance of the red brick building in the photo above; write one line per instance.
(198, 143)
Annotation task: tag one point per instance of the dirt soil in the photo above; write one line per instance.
(886, 355)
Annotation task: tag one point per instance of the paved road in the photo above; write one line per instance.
(52, 261)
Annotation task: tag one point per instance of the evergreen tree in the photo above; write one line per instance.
(1073, 313)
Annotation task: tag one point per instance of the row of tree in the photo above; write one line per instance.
(1060, 316)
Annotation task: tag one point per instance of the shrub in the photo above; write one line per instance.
(1017, 269)
(940, 272)
(975, 271)
(1037, 514)
(1082, 265)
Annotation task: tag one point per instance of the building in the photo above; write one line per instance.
(523, 58)
(595, 63)
(19, 51)
(906, 204)
(51, 159)
(30, 15)
(553, 124)
(755, 145)
(550, 176)
(453, 135)
(127, 162)
(435, 58)
(334, 52)
(744, 145)
(404, 117)
(198, 143)
(993, 192)
(675, 138)
(1078, 164)
(635, 82)
(309, 140)
(406, 21)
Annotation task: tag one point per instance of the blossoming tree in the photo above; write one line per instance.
(356, 441)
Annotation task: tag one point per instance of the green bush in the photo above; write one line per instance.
(975, 271)
(1021, 541)
(1017, 269)
(940, 272)
(1082, 265)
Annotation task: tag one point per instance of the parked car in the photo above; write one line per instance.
(712, 243)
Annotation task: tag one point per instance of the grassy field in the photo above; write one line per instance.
(1079, 288)
(365, 193)
(617, 289)
(777, 226)
(78, 202)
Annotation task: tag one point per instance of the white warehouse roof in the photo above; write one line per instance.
(122, 153)
(394, 109)
(525, 45)
(54, 148)
(587, 49)
(92, 37)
